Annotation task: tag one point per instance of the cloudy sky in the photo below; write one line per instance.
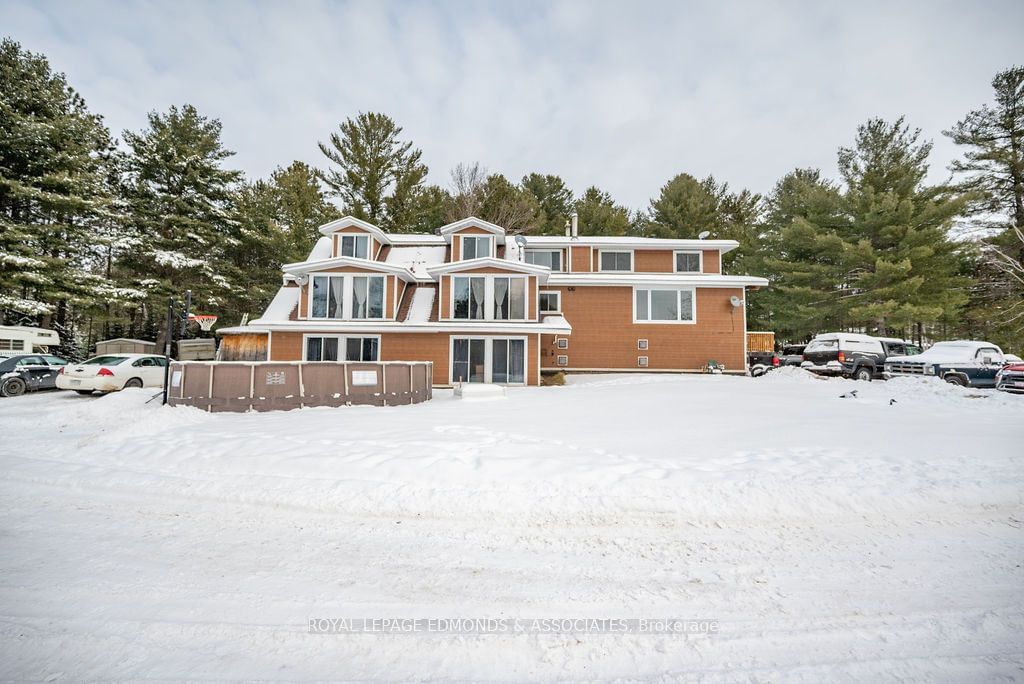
(622, 95)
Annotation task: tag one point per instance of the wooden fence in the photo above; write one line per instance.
(284, 385)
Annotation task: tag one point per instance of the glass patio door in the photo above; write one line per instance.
(508, 360)
(468, 360)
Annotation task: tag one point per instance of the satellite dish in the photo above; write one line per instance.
(520, 240)
(703, 234)
(736, 301)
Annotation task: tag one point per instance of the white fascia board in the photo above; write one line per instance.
(376, 266)
(626, 242)
(455, 226)
(551, 325)
(351, 221)
(667, 279)
(543, 272)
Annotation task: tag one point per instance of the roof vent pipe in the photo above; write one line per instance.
(568, 229)
(575, 225)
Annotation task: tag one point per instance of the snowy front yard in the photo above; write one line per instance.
(830, 537)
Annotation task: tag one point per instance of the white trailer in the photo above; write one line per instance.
(22, 339)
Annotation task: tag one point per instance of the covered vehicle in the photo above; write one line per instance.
(851, 355)
(112, 372)
(968, 363)
(29, 372)
(1010, 378)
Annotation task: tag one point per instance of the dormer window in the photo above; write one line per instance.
(356, 246)
(476, 246)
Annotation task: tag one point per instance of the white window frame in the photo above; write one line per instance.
(489, 297)
(561, 260)
(346, 294)
(562, 343)
(462, 245)
(600, 260)
(642, 344)
(679, 321)
(562, 360)
(354, 236)
(489, 357)
(643, 361)
(342, 346)
(557, 293)
(700, 260)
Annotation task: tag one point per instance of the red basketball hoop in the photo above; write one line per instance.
(205, 321)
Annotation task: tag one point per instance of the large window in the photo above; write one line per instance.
(469, 297)
(616, 261)
(664, 306)
(364, 296)
(550, 258)
(551, 302)
(338, 348)
(688, 262)
(357, 246)
(497, 298)
(499, 360)
(476, 246)
(509, 298)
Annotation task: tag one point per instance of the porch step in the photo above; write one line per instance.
(478, 391)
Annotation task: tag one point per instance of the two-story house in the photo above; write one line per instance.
(486, 307)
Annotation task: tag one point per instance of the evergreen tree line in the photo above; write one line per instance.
(97, 232)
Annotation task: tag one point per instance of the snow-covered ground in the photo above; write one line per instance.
(831, 538)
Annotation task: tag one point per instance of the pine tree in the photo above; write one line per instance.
(907, 270)
(805, 258)
(180, 198)
(301, 208)
(55, 193)
(599, 215)
(685, 207)
(993, 170)
(554, 199)
(378, 175)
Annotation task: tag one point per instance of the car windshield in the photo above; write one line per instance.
(793, 349)
(104, 361)
(823, 344)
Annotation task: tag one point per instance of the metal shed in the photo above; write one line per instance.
(123, 345)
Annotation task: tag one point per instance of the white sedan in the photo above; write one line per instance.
(112, 372)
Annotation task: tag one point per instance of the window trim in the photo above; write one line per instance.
(700, 260)
(643, 362)
(557, 293)
(642, 344)
(561, 360)
(346, 294)
(342, 342)
(536, 250)
(677, 290)
(489, 357)
(475, 236)
(559, 343)
(600, 260)
(354, 236)
(489, 298)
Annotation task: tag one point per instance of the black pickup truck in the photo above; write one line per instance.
(852, 355)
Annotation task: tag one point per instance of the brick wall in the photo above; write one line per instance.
(604, 335)
(287, 346)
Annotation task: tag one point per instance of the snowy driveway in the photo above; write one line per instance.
(829, 537)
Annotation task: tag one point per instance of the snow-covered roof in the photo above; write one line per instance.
(304, 267)
(351, 221)
(416, 258)
(321, 250)
(490, 262)
(473, 222)
(422, 305)
(628, 242)
(281, 306)
(416, 239)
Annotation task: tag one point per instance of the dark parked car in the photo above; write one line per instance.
(968, 363)
(29, 372)
(852, 355)
(792, 355)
